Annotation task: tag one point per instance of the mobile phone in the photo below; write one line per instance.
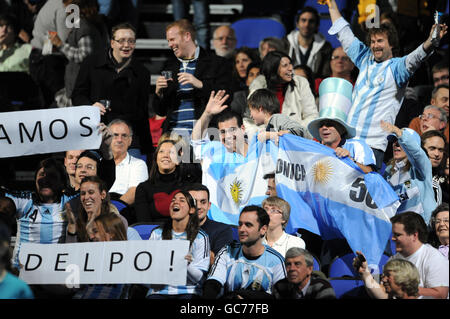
(359, 261)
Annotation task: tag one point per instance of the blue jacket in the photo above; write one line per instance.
(415, 187)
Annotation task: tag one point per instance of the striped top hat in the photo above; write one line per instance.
(335, 100)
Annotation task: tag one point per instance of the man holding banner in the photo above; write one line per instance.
(332, 184)
(331, 127)
(40, 215)
(230, 167)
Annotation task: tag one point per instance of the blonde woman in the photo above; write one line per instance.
(279, 211)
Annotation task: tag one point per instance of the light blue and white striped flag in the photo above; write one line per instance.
(234, 181)
(333, 198)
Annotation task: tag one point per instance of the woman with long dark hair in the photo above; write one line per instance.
(104, 227)
(293, 91)
(438, 236)
(184, 225)
(242, 58)
(166, 176)
(95, 202)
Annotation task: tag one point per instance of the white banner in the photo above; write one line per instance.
(49, 130)
(113, 262)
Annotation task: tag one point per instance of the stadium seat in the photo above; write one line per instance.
(235, 233)
(348, 288)
(120, 205)
(316, 265)
(145, 229)
(342, 266)
(250, 31)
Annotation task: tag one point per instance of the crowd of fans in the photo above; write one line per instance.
(142, 173)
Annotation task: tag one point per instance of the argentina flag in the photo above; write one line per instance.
(333, 198)
(234, 181)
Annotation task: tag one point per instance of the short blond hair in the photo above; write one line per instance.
(405, 275)
(281, 204)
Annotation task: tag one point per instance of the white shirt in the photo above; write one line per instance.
(285, 242)
(129, 173)
(432, 266)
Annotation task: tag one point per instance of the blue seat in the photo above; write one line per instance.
(119, 204)
(250, 31)
(342, 266)
(348, 288)
(235, 232)
(144, 229)
(316, 265)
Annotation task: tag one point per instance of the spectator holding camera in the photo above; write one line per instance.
(409, 232)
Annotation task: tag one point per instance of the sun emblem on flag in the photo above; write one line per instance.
(322, 171)
(236, 190)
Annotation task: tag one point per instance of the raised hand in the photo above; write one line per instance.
(390, 128)
(215, 102)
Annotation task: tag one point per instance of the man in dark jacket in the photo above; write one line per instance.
(183, 95)
(117, 77)
(301, 282)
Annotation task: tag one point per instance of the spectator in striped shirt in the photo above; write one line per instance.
(196, 73)
(332, 130)
(248, 269)
(184, 225)
(382, 80)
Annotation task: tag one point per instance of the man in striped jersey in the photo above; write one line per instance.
(331, 130)
(248, 269)
(380, 87)
(195, 73)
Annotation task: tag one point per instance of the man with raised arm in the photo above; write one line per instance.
(382, 80)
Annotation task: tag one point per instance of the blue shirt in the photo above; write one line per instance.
(12, 287)
(235, 271)
(38, 222)
(414, 187)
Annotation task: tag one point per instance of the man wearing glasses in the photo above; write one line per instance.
(119, 85)
(440, 73)
(279, 211)
(130, 171)
(435, 115)
(224, 41)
